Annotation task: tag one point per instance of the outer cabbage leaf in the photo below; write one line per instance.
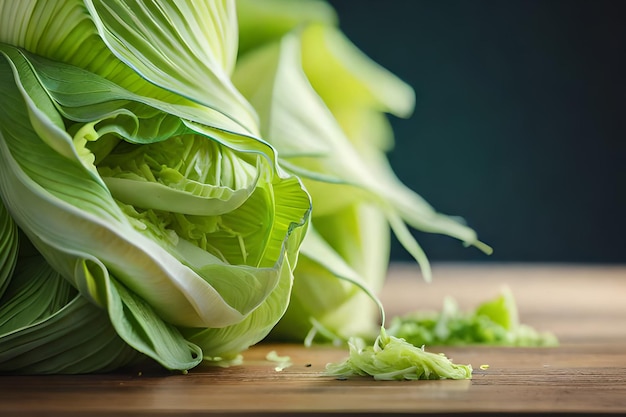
(47, 328)
(70, 32)
(186, 47)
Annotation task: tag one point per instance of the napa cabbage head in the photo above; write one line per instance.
(324, 105)
(142, 215)
(159, 164)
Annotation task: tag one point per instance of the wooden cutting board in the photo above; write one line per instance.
(585, 306)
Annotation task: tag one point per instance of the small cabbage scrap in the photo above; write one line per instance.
(282, 362)
(494, 322)
(393, 358)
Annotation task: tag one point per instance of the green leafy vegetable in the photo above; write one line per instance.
(154, 201)
(391, 358)
(180, 179)
(494, 322)
(395, 355)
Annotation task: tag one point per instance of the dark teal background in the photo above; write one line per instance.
(520, 123)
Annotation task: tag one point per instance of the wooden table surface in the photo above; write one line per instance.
(585, 306)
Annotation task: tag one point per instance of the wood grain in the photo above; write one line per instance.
(583, 305)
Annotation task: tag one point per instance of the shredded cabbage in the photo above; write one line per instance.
(494, 322)
(392, 358)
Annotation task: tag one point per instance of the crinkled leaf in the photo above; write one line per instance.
(180, 175)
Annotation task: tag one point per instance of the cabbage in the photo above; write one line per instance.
(394, 359)
(494, 322)
(180, 180)
(135, 173)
